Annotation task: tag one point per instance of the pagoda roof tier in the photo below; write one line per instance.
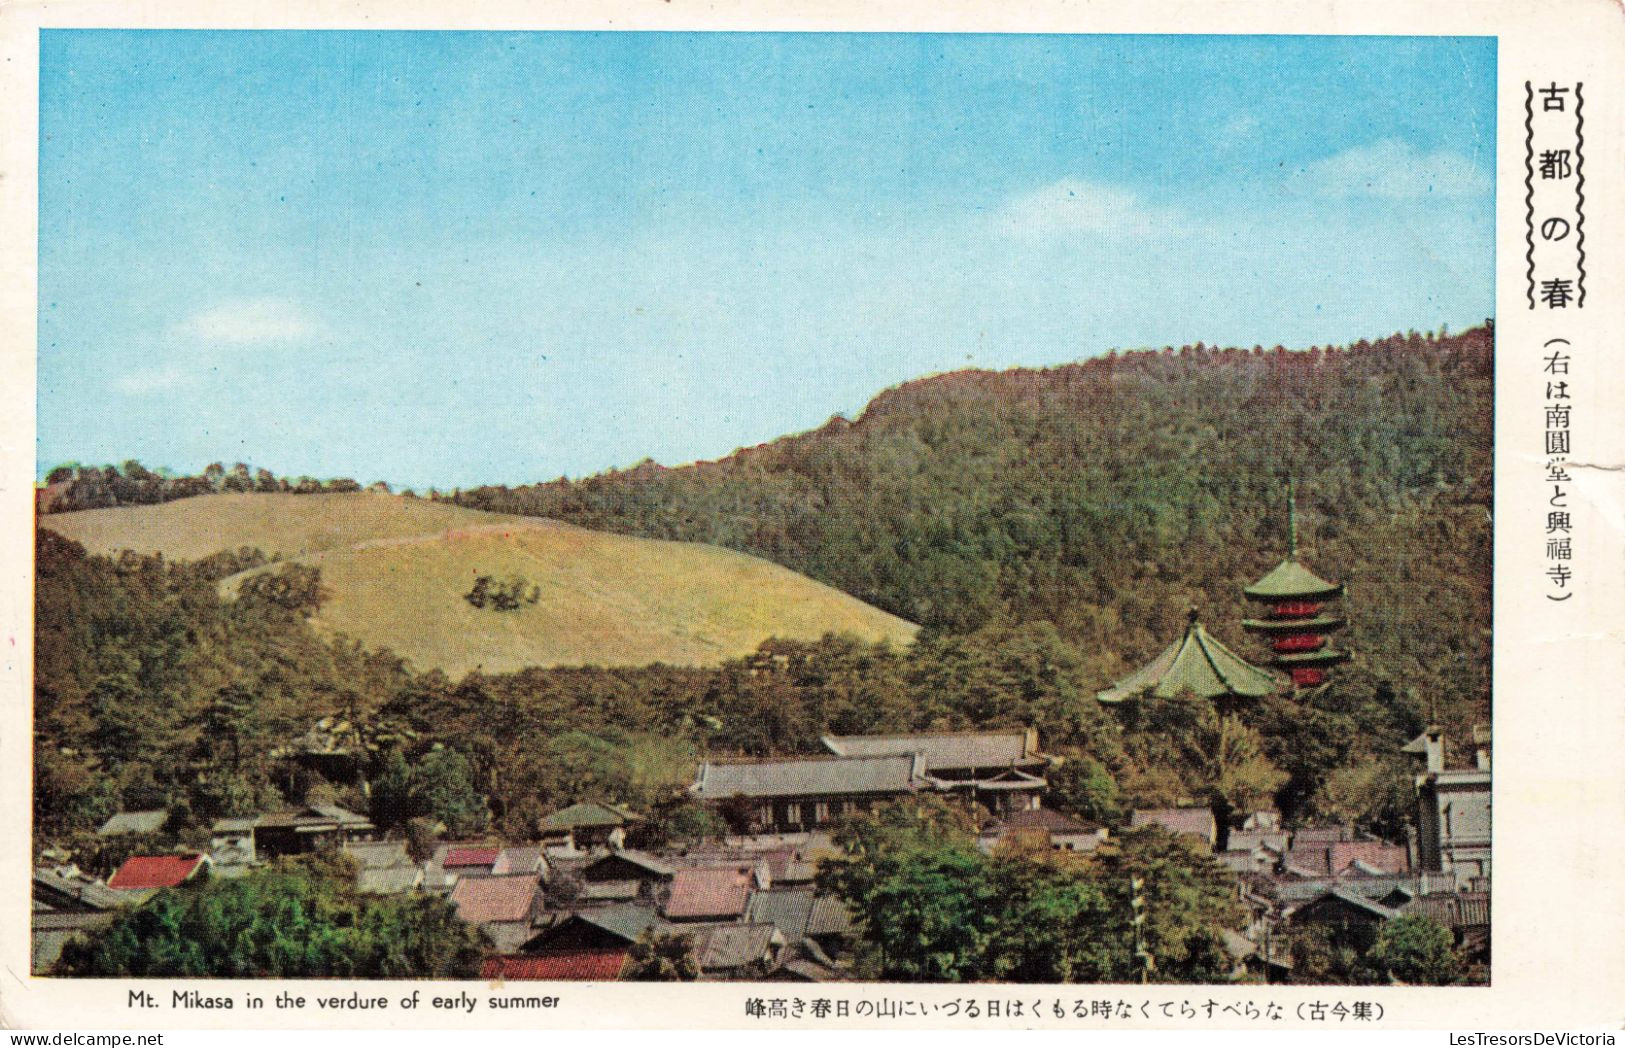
(1318, 624)
(1310, 658)
(1198, 663)
(1292, 581)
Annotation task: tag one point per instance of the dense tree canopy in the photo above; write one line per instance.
(299, 919)
(934, 908)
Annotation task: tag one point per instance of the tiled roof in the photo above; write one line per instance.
(1296, 891)
(629, 921)
(803, 971)
(724, 947)
(59, 884)
(560, 966)
(1377, 855)
(1247, 840)
(1339, 857)
(829, 916)
(809, 777)
(1196, 821)
(942, 750)
(525, 858)
(1463, 910)
(589, 813)
(312, 815)
(709, 893)
(462, 858)
(642, 861)
(389, 880)
(1291, 579)
(787, 909)
(134, 822)
(1349, 898)
(1037, 819)
(1320, 835)
(486, 899)
(1197, 663)
(378, 855)
(154, 871)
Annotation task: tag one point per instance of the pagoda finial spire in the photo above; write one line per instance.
(1292, 518)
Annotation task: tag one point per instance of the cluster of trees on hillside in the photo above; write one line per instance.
(508, 594)
(1109, 496)
(73, 486)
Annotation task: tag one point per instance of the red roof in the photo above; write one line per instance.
(457, 857)
(709, 893)
(154, 871)
(560, 966)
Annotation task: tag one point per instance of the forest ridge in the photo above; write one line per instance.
(1109, 496)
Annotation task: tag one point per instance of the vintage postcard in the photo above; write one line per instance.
(1079, 517)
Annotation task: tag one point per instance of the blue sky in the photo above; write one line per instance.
(459, 258)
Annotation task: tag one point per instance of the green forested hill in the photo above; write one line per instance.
(1108, 496)
(1049, 529)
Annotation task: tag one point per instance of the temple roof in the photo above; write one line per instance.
(1196, 662)
(1291, 580)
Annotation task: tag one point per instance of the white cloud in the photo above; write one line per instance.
(1397, 171)
(152, 380)
(1073, 205)
(251, 321)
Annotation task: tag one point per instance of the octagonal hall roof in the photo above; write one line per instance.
(1198, 663)
(1292, 581)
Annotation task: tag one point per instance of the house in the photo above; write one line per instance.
(66, 888)
(1061, 832)
(736, 951)
(506, 907)
(830, 925)
(1350, 920)
(384, 867)
(557, 966)
(1246, 840)
(1002, 770)
(148, 872)
(600, 928)
(128, 823)
(1191, 822)
(1353, 858)
(527, 858)
(590, 824)
(780, 796)
(67, 903)
(1453, 817)
(308, 829)
(711, 894)
(786, 909)
(234, 838)
(627, 865)
(1465, 913)
(624, 876)
(454, 860)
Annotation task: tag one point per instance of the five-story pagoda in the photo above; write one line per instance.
(1296, 620)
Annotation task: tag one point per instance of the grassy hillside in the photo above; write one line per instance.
(396, 570)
